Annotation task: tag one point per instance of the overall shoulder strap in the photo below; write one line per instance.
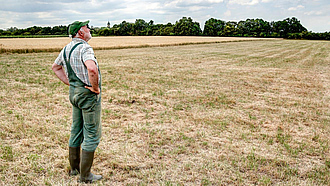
(74, 47)
(64, 53)
(73, 79)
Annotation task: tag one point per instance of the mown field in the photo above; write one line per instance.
(28, 45)
(236, 113)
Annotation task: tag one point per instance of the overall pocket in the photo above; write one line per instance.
(84, 99)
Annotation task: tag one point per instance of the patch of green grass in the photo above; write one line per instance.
(7, 153)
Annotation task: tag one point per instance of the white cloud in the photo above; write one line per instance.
(187, 3)
(296, 8)
(197, 1)
(195, 8)
(314, 13)
(215, 1)
(244, 2)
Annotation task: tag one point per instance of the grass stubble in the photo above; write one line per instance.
(35, 45)
(243, 113)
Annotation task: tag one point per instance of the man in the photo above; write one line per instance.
(77, 67)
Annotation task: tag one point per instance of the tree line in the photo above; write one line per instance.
(290, 28)
(36, 31)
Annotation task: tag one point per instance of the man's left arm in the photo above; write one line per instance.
(92, 68)
(93, 76)
(59, 71)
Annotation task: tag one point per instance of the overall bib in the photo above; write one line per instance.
(86, 111)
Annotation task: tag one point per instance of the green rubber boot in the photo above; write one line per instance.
(74, 159)
(85, 168)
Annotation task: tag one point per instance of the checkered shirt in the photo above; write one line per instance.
(79, 56)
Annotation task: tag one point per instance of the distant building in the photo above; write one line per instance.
(108, 24)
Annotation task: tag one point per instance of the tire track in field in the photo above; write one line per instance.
(283, 51)
(265, 50)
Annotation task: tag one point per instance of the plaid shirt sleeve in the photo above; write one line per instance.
(59, 60)
(88, 54)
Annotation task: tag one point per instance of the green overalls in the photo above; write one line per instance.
(86, 111)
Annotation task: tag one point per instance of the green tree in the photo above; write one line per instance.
(186, 27)
(254, 28)
(12, 29)
(46, 30)
(59, 30)
(106, 32)
(140, 27)
(288, 25)
(125, 29)
(244, 28)
(230, 29)
(259, 28)
(167, 30)
(294, 25)
(213, 27)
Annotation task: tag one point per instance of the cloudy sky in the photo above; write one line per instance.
(313, 14)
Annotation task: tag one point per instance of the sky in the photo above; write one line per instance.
(313, 14)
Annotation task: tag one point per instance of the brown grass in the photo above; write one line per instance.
(242, 113)
(33, 45)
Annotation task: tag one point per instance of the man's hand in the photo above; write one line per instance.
(93, 90)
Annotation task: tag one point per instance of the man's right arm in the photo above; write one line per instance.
(58, 69)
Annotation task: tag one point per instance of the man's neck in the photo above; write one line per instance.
(79, 38)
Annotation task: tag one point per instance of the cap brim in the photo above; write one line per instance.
(84, 23)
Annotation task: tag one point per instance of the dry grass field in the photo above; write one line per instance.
(28, 45)
(235, 113)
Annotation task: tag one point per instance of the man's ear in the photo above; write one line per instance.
(80, 33)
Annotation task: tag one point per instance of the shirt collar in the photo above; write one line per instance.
(78, 40)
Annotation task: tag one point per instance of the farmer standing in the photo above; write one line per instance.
(83, 76)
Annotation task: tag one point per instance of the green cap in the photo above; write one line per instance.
(75, 26)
